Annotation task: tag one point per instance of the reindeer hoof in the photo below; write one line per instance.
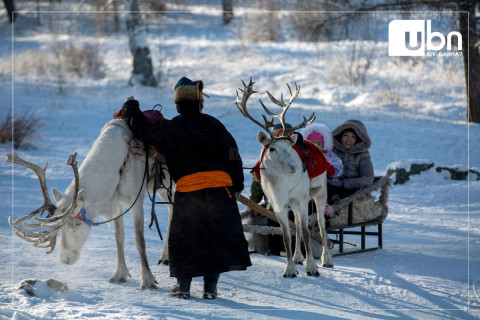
(145, 286)
(120, 280)
(313, 274)
(291, 276)
(327, 265)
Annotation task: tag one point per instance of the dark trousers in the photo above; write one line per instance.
(341, 192)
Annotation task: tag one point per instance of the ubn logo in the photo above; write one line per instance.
(414, 38)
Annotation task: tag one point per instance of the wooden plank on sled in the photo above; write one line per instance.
(270, 215)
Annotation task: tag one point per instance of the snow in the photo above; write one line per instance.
(429, 267)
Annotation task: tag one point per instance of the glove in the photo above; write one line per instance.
(130, 108)
(336, 182)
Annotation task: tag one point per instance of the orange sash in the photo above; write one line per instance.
(202, 180)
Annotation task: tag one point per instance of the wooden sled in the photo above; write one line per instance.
(357, 211)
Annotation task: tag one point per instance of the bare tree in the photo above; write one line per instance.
(468, 23)
(10, 7)
(471, 56)
(17, 129)
(137, 36)
(227, 11)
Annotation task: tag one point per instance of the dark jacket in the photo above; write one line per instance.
(193, 142)
(206, 233)
(357, 165)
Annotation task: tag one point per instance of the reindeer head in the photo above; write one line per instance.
(279, 158)
(74, 233)
(62, 217)
(278, 155)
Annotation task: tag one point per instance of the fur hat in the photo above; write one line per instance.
(188, 90)
(321, 129)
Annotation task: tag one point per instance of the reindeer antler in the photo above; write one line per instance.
(72, 161)
(248, 91)
(285, 106)
(48, 205)
(49, 225)
(242, 106)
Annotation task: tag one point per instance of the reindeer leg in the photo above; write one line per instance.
(122, 273)
(147, 279)
(290, 269)
(311, 266)
(298, 256)
(326, 258)
(301, 218)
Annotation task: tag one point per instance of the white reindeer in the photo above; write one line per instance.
(287, 185)
(109, 180)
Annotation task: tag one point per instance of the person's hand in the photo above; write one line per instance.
(336, 182)
(130, 107)
(250, 209)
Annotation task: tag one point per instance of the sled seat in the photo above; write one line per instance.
(357, 212)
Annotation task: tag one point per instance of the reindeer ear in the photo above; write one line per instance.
(294, 138)
(263, 138)
(57, 195)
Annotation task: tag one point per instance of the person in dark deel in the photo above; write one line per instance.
(206, 233)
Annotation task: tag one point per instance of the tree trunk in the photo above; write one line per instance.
(142, 72)
(10, 7)
(471, 58)
(227, 11)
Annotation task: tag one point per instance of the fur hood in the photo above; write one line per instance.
(321, 129)
(361, 132)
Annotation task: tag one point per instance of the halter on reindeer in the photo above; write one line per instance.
(287, 184)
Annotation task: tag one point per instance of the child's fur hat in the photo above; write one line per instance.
(321, 129)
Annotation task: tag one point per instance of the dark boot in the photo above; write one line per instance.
(182, 288)
(210, 286)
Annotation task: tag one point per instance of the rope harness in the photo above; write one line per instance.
(158, 172)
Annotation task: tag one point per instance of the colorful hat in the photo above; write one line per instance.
(315, 136)
(188, 90)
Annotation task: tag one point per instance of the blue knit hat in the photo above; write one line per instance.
(188, 90)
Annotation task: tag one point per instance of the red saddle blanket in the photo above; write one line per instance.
(151, 115)
(313, 160)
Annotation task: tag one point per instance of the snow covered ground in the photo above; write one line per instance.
(413, 108)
